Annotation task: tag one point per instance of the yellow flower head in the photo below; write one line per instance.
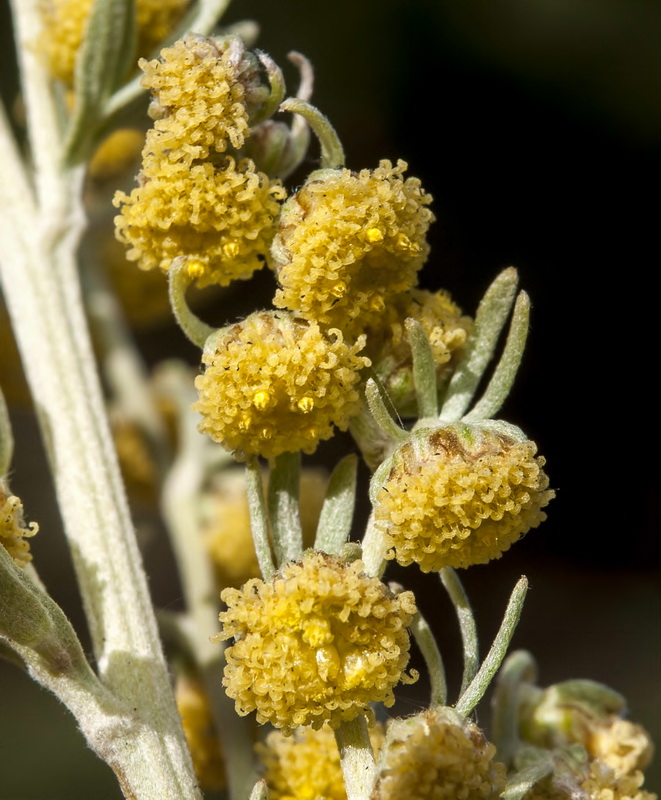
(388, 347)
(317, 643)
(204, 90)
(226, 523)
(64, 29)
(218, 215)
(347, 242)
(277, 384)
(460, 495)
(306, 765)
(200, 732)
(438, 755)
(13, 529)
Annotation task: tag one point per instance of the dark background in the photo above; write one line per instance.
(535, 127)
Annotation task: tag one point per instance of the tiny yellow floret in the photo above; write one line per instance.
(317, 643)
(438, 755)
(306, 765)
(348, 242)
(460, 495)
(14, 531)
(277, 384)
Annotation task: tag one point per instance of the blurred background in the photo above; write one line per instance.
(535, 125)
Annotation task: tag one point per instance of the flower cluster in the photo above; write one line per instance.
(317, 643)
(348, 242)
(460, 495)
(14, 531)
(276, 384)
(194, 199)
(306, 765)
(64, 29)
(438, 755)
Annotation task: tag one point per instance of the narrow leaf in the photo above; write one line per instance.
(480, 683)
(284, 515)
(503, 377)
(455, 589)
(381, 414)
(337, 511)
(102, 63)
(490, 319)
(424, 369)
(259, 520)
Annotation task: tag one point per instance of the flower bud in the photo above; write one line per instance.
(438, 754)
(459, 495)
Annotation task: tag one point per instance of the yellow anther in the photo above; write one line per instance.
(261, 400)
(195, 268)
(377, 303)
(328, 662)
(265, 432)
(310, 433)
(305, 404)
(374, 235)
(244, 423)
(339, 289)
(317, 632)
(404, 243)
(231, 249)
(355, 670)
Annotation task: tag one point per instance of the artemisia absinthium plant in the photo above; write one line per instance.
(310, 640)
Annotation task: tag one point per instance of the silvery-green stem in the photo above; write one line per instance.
(373, 548)
(356, 758)
(455, 589)
(179, 279)
(181, 493)
(6, 438)
(432, 655)
(259, 519)
(41, 288)
(332, 152)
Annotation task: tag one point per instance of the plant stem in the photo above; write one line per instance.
(429, 648)
(180, 509)
(455, 589)
(357, 758)
(41, 288)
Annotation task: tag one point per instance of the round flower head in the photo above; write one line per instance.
(306, 765)
(13, 529)
(64, 29)
(204, 90)
(220, 216)
(201, 737)
(317, 643)
(388, 347)
(438, 755)
(276, 384)
(347, 242)
(460, 495)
